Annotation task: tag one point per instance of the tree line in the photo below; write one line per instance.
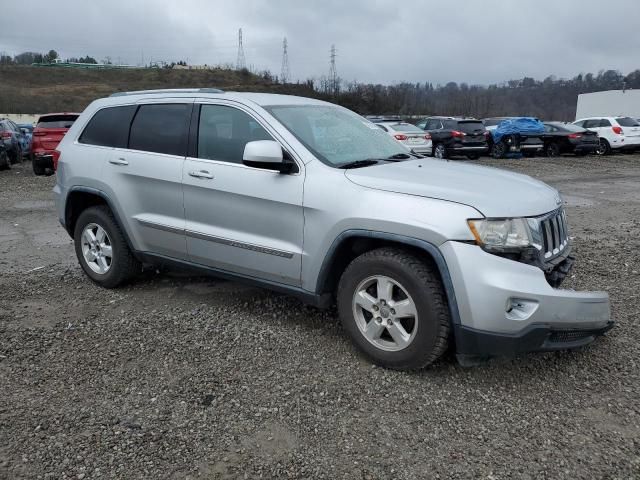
(549, 99)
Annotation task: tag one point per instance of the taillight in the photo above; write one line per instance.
(399, 136)
(56, 157)
(456, 133)
(575, 135)
(427, 136)
(617, 130)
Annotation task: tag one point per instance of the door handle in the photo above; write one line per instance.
(201, 174)
(118, 161)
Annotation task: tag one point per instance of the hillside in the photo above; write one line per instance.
(26, 89)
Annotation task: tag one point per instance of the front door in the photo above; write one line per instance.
(240, 219)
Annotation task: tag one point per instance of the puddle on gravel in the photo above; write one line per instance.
(34, 205)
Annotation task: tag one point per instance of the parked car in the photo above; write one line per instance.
(515, 135)
(615, 133)
(456, 136)
(12, 138)
(562, 138)
(27, 132)
(303, 196)
(49, 131)
(408, 135)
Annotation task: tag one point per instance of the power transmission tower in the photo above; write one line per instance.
(333, 74)
(241, 63)
(285, 74)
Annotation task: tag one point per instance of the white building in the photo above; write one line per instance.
(611, 103)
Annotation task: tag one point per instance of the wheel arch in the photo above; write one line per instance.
(79, 199)
(352, 243)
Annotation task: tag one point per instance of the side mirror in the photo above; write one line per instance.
(265, 154)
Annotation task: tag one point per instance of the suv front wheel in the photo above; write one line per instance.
(394, 307)
(102, 249)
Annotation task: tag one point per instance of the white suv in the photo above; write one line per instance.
(616, 133)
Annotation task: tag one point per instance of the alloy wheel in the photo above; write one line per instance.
(385, 313)
(96, 248)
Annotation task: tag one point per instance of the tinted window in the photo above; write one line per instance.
(567, 127)
(471, 126)
(421, 125)
(56, 121)
(450, 124)
(434, 125)
(224, 131)
(592, 123)
(109, 127)
(627, 122)
(605, 123)
(161, 128)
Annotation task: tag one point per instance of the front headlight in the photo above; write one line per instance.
(503, 235)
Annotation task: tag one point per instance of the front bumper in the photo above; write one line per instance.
(503, 301)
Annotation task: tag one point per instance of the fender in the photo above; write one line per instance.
(105, 197)
(432, 250)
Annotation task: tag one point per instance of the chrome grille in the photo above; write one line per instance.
(555, 235)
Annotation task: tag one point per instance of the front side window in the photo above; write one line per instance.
(109, 127)
(336, 136)
(223, 132)
(161, 128)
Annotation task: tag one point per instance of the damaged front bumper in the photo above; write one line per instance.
(508, 307)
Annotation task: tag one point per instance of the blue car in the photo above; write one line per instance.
(12, 138)
(27, 131)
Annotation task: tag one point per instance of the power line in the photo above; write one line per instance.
(285, 73)
(241, 63)
(333, 74)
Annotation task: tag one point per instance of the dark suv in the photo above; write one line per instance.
(456, 136)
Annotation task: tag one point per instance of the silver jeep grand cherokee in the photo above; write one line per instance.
(308, 198)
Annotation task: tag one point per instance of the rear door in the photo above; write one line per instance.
(145, 177)
(240, 219)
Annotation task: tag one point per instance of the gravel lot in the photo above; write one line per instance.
(178, 376)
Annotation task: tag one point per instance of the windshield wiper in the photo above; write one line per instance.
(399, 156)
(359, 163)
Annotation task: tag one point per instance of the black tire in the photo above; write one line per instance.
(473, 156)
(5, 163)
(552, 150)
(16, 155)
(498, 150)
(440, 151)
(123, 264)
(422, 283)
(37, 170)
(604, 148)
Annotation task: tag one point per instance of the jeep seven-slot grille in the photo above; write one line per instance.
(555, 234)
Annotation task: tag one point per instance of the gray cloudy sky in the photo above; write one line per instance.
(474, 41)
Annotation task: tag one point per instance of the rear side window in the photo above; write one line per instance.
(161, 128)
(56, 121)
(109, 127)
(593, 123)
(224, 131)
(627, 122)
(450, 124)
(605, 123)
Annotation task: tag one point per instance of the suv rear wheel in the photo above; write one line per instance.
(604, 148)
(102, 249)
(394, 307)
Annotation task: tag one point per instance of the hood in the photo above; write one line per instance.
(491, 191)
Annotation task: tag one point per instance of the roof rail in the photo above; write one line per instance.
(168, 90)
